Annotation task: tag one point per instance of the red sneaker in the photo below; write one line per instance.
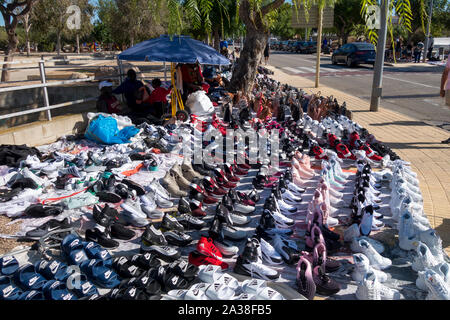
(239, 172)
(198, 259)
(206, 247)
(210, 200)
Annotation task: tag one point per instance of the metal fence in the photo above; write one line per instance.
(44, 84)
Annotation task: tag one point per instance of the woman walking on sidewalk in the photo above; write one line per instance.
(445, 88)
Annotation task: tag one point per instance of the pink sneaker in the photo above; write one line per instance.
(314, 237)
(305, 281)
(320, 259)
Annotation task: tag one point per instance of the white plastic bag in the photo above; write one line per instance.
(199, 103)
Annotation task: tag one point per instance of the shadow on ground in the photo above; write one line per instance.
(444, 231)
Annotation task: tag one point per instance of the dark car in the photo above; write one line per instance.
(303, 47)
(291, 46)
(353, 54)
(311, 47)
(287, 45)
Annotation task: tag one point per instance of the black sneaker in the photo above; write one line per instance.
(118, 231)
(101, 238)
(189, 222)
(152, 236)
(183, 269)
(47, 227)
(140, 190)
(41, 211)
(171, 223)
(166, 253)
(184, 206)
(177, 238)
(149, 285)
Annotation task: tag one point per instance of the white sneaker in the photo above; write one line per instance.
(371, 289)
(362, 267)
(443, 269)
(438, 288)
(281, 220)
(424, 258)
(268, 253)
(356, 247)
(433, 242)
(227, 249)
(376, 260)
(407, 236)
(26, 173)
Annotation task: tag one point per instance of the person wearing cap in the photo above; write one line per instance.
(107, 102)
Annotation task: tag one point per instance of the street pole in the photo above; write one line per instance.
(319, 45)
(427, 39)
(379, 61)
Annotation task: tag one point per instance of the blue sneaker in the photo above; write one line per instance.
(365, 227)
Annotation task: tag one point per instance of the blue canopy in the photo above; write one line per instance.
(179, 49)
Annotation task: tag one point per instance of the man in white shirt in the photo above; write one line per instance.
(445, 88)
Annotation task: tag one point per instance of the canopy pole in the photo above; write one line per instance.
(165, 72)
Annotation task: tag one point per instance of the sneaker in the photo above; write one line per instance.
(443, 269)
(227, 249)
(370, 288)
(289, 254)
(171, 223)
(176, 238)
(133, 215)
(172, 186)
(437, 286)
(95, 235)
(362, 267)
(356, 247)
(166, 253)
(305, 282)
(248, 264)
(324, 284)
(152, 236)
(190, 222)
(376, 260)
(268, 253)
(424, 259)
(49, 226)
(198, 259)
(233, 233)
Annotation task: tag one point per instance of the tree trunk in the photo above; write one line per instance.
(216, 38)
(78, 44)
(58, 43)
(319, 46)
(244, 74)
(10, 52)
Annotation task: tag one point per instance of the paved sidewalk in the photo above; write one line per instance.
(412, 140)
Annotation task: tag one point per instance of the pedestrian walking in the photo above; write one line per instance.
(445, 88)
(418, 51)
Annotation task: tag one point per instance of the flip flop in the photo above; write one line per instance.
(174, 282)
(146, 261)
(56, 290)
(100, 274)
(197, 292)
(73, 248)
(9, 291)
(52, 270)
(95, 251)
(27, 278)
(126, 269)
(32, 295)
(151, 287)
(82, 287)
(219, 291)
(268, 294)
(253, 286)
(133, 293)
(215, 275)
(177, 294)
(8, 265)
(183, 269)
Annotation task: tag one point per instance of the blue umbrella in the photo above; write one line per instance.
(179, 49)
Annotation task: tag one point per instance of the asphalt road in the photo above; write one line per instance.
(410, 90)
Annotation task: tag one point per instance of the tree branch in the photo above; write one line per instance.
(271, 6)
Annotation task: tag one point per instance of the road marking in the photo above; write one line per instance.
(416, 83)
(292, 70)
(307, 69)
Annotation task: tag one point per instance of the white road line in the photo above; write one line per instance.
(416, 83)
(294, 70)
(307, 69)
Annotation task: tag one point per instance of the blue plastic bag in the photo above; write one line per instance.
(104, 130)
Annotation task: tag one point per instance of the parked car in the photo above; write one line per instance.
(275, 45)
(293, 46)
(288, 46)
(311, 47)
(353, 54)
(282, 45)
(301, 46)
